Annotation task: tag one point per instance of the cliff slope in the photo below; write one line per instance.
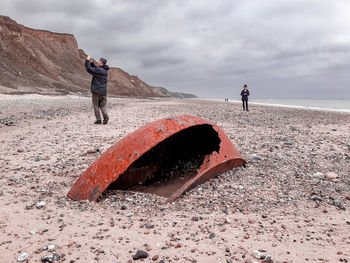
(40, 61)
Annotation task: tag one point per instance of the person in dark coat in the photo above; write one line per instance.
(245, 94)
(98, 87)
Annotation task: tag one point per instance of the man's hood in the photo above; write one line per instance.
(106, 67)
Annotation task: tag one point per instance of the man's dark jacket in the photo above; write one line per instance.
(99, 79)
(245, 94)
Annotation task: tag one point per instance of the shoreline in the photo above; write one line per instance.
(75, 96)
(284, 105)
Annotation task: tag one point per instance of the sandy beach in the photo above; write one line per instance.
(290, 204)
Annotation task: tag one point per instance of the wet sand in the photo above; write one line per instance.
(291, 202)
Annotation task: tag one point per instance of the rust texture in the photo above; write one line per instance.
(166, 157)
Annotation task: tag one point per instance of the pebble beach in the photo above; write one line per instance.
(291, 203)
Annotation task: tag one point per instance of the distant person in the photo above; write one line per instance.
(98, 87)
(245, 94)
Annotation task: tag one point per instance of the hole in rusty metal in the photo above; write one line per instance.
(171, 163)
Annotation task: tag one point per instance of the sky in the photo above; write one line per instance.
(279, 48)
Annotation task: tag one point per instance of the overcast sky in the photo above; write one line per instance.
(280, 48)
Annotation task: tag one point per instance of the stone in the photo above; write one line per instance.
(315, 198)
(51, 258)
(257, 254)
(34, 231)
(331, 175)
(123, 207)
(51, 247)
(23, 257)
(15, 179)
(212, 235)
(318, 174)
(40, 204)
(338, 204)
(129, 214)
(140, 254)
(255, 158)
(268, 259)
(195, 218)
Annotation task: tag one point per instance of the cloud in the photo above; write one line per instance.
(207, 47)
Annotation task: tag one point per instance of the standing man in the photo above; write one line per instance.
(98, 87)
(245, 94)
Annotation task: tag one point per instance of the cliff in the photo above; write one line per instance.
(40, 61)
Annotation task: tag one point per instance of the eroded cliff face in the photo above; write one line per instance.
(39, 61)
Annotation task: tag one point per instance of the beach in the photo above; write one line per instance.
(291, 203)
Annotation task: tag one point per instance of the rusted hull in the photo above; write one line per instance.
(117, 159)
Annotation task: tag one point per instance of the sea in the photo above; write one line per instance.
(338, 105)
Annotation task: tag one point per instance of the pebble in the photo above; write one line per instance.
(140, 254)
(15, 179)
(195, 218)
(40, 204)
(338, 204)
(129, 214)
(268, 259)
(331, 175)
(51, 247)
(257, 254)
(23, 257)
(34, 231)
(315, 198)
(91, 151)
(212, 235)
(51, 258)
(255, 158)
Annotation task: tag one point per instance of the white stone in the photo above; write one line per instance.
(23, 257)
(257, 254)
(34, 231)
(51, 247)
(40, 204)
(331, 175)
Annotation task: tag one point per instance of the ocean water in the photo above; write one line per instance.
(339, 105)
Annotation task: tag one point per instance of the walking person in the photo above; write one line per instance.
(98, 87)
(245, 94)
